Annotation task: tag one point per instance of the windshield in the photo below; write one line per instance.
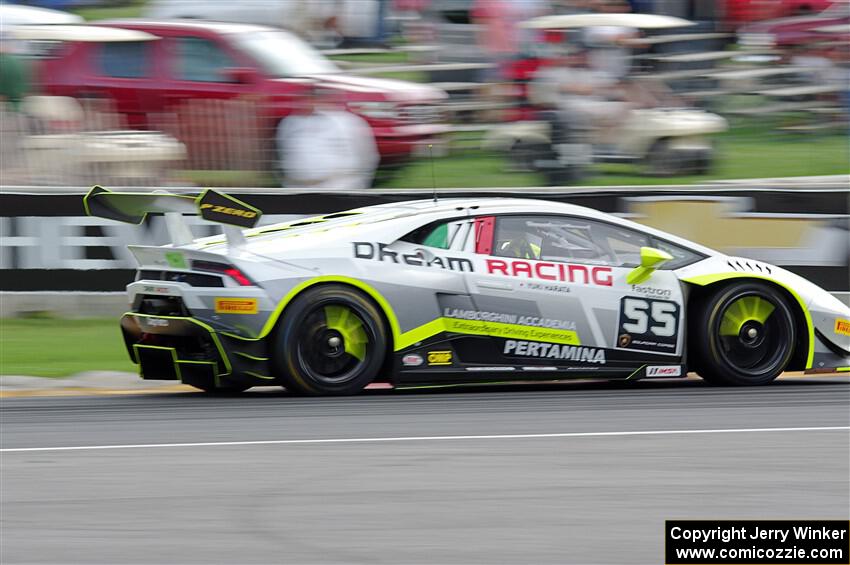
(283, 55)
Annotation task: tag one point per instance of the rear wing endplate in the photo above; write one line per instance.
(133, 207)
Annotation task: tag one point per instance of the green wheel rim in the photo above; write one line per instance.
(743, 310)
(350, 327)
(753, 333)
(334, 341)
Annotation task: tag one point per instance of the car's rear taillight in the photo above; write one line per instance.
(228, 270)
(238, 276)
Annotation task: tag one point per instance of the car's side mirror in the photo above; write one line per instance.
(240, 75)
(650, 259)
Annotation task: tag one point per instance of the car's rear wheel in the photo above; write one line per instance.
(332, 341)
(743, 334)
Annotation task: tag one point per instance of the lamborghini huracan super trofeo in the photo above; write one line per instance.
(456, 291)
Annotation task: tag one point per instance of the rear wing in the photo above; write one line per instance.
(133, 207)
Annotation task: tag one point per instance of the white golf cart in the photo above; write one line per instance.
(668, 139)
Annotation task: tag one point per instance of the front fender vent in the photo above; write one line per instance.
(747, 265)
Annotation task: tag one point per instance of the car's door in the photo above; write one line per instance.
(125, 75)
(554, 289)
(197, 68)
(440, 334)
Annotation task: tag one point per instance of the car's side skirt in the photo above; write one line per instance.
(455, 358)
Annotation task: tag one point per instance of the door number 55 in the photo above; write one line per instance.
(650, 316)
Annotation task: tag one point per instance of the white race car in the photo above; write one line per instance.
(457, 291)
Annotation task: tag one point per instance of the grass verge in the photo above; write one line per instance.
(738, 157)
(46, 347)
(91, 13)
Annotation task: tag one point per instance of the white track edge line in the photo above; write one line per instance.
(421, 438)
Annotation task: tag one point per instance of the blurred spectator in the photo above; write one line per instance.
(326, 146)
(500, 36)
(816, 62)
(14, 75)
(609, 54)
(841, 59)
(578, 93)
(381, 29)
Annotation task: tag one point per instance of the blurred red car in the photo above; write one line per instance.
(741, 12)
(209, 60)
(792, 31)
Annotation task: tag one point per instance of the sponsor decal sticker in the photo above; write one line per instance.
(842, 326)
(548, 271)
(540, 350)
(412, 360)
(500, 329)
(235, 305)
(156, 289)
(652, 292)
(228, 211)
(219, 207)
(156, 322)
(379, 252)
(439, 357)
(175, 259)
(664, 371)
(535, 321)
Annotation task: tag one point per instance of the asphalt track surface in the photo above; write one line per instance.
(577, 473)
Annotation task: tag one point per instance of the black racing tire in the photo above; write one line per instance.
(661, 160)
(523, 154)
(704, 162)
(742, 334)
(332, 341)
(703, 166)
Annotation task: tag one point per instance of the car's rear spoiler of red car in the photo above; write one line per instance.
(133, 207)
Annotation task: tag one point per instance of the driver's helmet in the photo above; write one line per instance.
(519, 247)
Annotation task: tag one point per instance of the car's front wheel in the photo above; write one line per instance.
(742, 334)
(332, 341)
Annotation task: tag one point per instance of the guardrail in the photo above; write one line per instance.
(803, 224)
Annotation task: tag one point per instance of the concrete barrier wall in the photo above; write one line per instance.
(802, 224)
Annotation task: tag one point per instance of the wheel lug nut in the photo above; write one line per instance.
(752, 332)
(334, 341)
